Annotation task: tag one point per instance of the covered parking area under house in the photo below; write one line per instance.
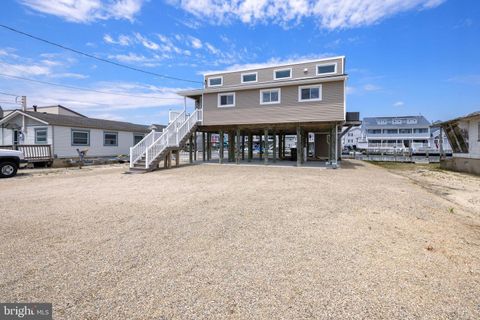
(269, 143)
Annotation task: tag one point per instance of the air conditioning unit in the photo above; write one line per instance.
(352, 116)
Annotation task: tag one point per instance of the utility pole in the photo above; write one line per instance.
(24, 109)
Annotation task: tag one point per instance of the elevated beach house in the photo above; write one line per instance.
(57, 132)
(272, 101)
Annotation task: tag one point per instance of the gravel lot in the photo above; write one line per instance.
(217, 242)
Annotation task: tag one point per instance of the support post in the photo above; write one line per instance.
(231, 146)
(307, 145)
(177, 158)
(299, 147)
(209, 146)
(204, 149)
(306, 142)
(237, 147)
(243, 146)
(250, 147)
(220, 154)
(274, 147)
(169, 165)
(165, 161)
(260, 147)
(190, 149)
(195, 145)
(280, 156)
(266, 146)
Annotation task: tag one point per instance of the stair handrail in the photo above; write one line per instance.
(159, 144)
(173, 135)
(185, 128)
(137, 151)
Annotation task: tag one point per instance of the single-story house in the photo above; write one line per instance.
(464, 136)
(66, 131)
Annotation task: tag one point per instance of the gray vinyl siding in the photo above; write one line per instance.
(248, 109)
(266, 74)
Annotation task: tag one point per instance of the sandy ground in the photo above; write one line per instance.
(220, 242)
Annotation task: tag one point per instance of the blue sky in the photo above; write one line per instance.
(403, 56)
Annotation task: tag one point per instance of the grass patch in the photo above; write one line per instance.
(406, 166)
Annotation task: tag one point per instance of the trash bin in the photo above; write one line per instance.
(293, 154)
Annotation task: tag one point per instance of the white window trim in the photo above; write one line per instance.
(249, 73)
(269, 90)
(283, 69)
(215, 85)
(326, 64)
(320, 93)
(226, 105)
(46, 135)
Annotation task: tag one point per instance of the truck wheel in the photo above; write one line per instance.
(8, 169)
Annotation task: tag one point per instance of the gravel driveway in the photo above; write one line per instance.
(221, 242)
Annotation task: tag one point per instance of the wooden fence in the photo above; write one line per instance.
(33, 152)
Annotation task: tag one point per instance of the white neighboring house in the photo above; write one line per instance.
(464, 136)
(67, 133)
(396, 132)
(352, 138)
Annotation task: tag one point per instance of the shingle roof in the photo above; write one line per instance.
(372, 122)
(470, 115)
(92, 123)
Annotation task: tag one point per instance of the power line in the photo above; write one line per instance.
(10, 94)
(9, 102)
(86, 89)
(95, 57)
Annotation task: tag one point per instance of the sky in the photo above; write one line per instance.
(403, 57)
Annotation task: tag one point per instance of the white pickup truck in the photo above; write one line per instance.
(10, 161)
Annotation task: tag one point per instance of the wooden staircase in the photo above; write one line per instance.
(154, 147)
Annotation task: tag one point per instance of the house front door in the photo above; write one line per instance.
(15, 137)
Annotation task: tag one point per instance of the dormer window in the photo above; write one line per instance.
(412, 121)
(249, 77)
(397, 121)
(282, 74)
(382, 122)
(215, 82)
(326, 69)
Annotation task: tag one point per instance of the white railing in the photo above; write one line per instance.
(172, 135)
(137, 151)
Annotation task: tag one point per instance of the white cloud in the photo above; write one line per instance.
(399, 104)
(330, 14)
(371, 87)
(142, 96)
(211, 48)
(471, 79)
(196, 43)
(130, 57)
(24, 69)
(351, 90)
(85, 11)
(122, 40)
(146, 42)
(70, 75)
(271, 62)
